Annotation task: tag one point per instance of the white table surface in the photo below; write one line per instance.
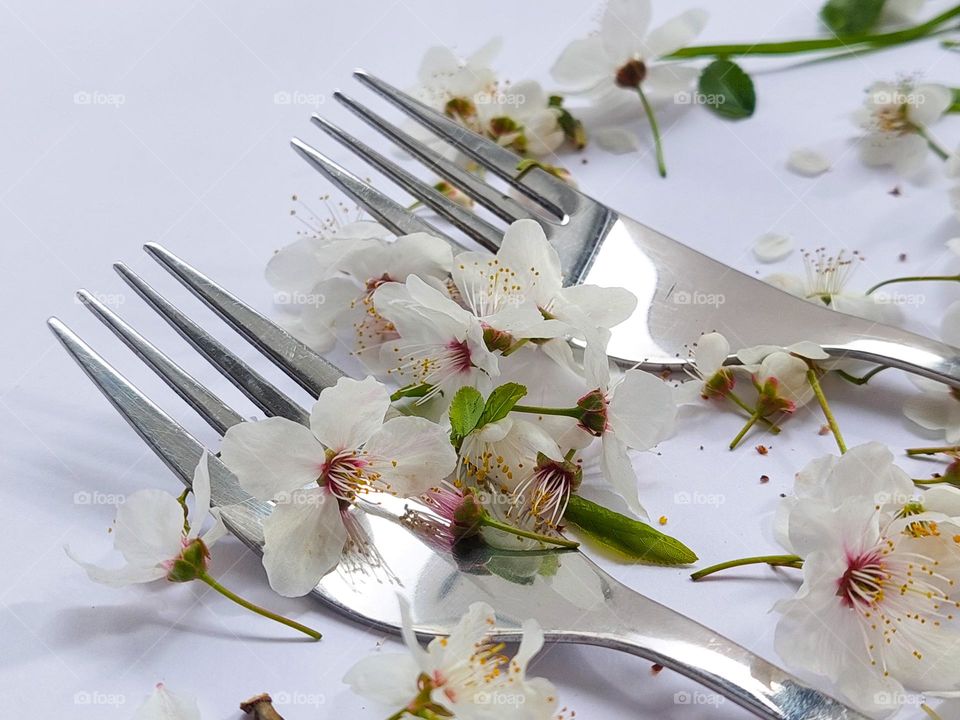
(195, 157)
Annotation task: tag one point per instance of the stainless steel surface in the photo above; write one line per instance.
(573, 599)
(682, 293)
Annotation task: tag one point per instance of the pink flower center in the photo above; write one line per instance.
(346, 474)
(861, 585)
(458, 356)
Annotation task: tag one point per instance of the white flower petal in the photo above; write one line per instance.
(642, 410)
(622, 28)
(165, 705)
(215, 531)
(943, 499)
(772, 247)
(201, 494)
(615, 140)
(525, 248)
(301, 265)
(808, 162)
(618, 470)
(711, 353)
(582, 65)
(303, 541)
(411, 454)
(346, 415)
(675, 33)
(118, 577)
(465, 636)
(605, 307)
(931, 103)
(325, 305)
(935, 411)
(788, 283)
(149, 528)
(387, 678)
(670, 81)
(272, 456)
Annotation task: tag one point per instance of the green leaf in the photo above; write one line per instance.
(465, 411)
(850, 17)
(727, 90)
(632, 538)
(501, 402)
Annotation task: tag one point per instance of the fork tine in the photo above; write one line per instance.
(536, 184)
(179, 450)
(306, 367)
(473, 225)
(489, 197)
(267, 397)
(394, 216)
(219, 415)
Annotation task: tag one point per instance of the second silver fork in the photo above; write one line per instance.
(682, 293)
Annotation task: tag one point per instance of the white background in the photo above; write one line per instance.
(196, 158)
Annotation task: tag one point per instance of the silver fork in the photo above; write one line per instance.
(573, 599)
(682, 293)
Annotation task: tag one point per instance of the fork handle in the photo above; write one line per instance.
(906, 351)
(643, 627)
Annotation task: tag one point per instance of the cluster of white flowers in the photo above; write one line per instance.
(518, 115)
(878, 610)
(465, 675)
(431, 323)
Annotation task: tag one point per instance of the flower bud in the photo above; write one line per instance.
(594, 418)
(719, 384)
(631, 75)
(191, 563)
(496, 339)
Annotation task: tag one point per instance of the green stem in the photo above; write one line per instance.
(738, 401)
(573, 412)
(825, 406)
(791, 561)
(743, 431)
(655, 130)
(549, 539)
(931, 481)
(256, 608)
(790, 47)
(930, 712)
(516, 346)
(411, 391)
(915, 278)
(933, 450)
(937, 148)
(861, 380)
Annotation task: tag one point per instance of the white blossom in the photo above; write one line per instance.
(876, 611)
(466, 674)
(314, 473)
(151, 532)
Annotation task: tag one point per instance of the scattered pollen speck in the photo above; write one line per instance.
(764, 478)
(663, 520)
(824, 430)
(762, 449)
(656, 668)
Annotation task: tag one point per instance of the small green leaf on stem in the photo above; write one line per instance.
(848, 17)
(728, 90)
(501, 402)
(632, 538)
(465, 411)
